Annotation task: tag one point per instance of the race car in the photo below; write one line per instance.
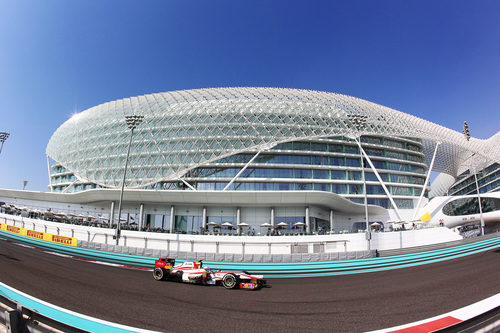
(195, 272)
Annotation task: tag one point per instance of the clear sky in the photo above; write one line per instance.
(438, 60)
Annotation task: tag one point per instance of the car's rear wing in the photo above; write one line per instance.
(165, 263)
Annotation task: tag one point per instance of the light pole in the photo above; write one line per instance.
(3, 137)
(132, 123)
(359, 121)
(467, 137)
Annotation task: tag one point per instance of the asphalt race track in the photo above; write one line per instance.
(350, 303)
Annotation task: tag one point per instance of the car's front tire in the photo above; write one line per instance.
(229, 281)
(159, 274)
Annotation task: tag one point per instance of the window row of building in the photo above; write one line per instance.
(488, 181)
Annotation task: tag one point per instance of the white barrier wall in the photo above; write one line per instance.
(241, 244)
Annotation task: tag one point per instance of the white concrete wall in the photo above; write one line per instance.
(236, 244)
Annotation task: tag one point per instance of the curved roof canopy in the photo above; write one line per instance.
(184, 129)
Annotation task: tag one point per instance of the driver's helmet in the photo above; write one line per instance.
(206, 269)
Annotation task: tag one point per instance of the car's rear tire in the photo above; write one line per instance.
(178, 276)
(229, 281)
(159, 274)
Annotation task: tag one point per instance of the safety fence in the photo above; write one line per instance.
(272, 269)
(23, 311)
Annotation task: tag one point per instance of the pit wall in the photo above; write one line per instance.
(240, 244)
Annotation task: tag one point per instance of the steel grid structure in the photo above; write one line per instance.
(186, 129)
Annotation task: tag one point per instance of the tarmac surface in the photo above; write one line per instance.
(347, 303)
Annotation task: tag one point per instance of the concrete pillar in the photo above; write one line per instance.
(204, 218)
(112, 214)
(308, 222)
(141, 216)
(331, 219)
(272, 218)
(238, 219)
(172, 218)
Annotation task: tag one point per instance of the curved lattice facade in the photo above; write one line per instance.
(205, 136)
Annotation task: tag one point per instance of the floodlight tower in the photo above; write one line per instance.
(467, 136)
(132, 123)
(359, 122)
(3, 137)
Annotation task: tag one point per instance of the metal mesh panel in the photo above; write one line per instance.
(185, 129)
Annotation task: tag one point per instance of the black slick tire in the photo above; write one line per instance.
(229, 281)
(159, 274)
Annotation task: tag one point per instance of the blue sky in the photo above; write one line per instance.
(438, 60)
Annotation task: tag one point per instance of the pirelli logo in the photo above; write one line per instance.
(34, 234)
(62, 239)
(11, 228)
(44, 236)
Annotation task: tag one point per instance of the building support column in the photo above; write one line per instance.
(480, 206)
(111, 214)
(141, 216)
(331, 220)
(204, 218)
(238, 220)
(172, 218)
(272, 218)
(308, 222)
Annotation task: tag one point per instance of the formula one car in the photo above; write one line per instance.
(194, 272)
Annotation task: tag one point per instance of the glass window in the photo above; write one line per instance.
(352, 162)
(415, 158)
(302, 159)
(396, 144)
(304, 146)
(319, 160)
(372, 140)
(281, 159)
(400, 179)
(395, 154)
(284, 146)
(418, 180)
(321, 174)
(354, 175)
(379, 202)
(303, 187)
(374, 152)
(378, 164)
(351, 149)
(416, 169)
(338, 161)
(337, 174)
(374, 189)
(335, 148)
(414, 148)
(339, 188)
(322, 187)
(397, 166)
(355, 189)
(220, 186)
(396, 190)
(470, 206)
(404, 203)
(317, 146)
(285, 186)
(283, 173)
(303, 173)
